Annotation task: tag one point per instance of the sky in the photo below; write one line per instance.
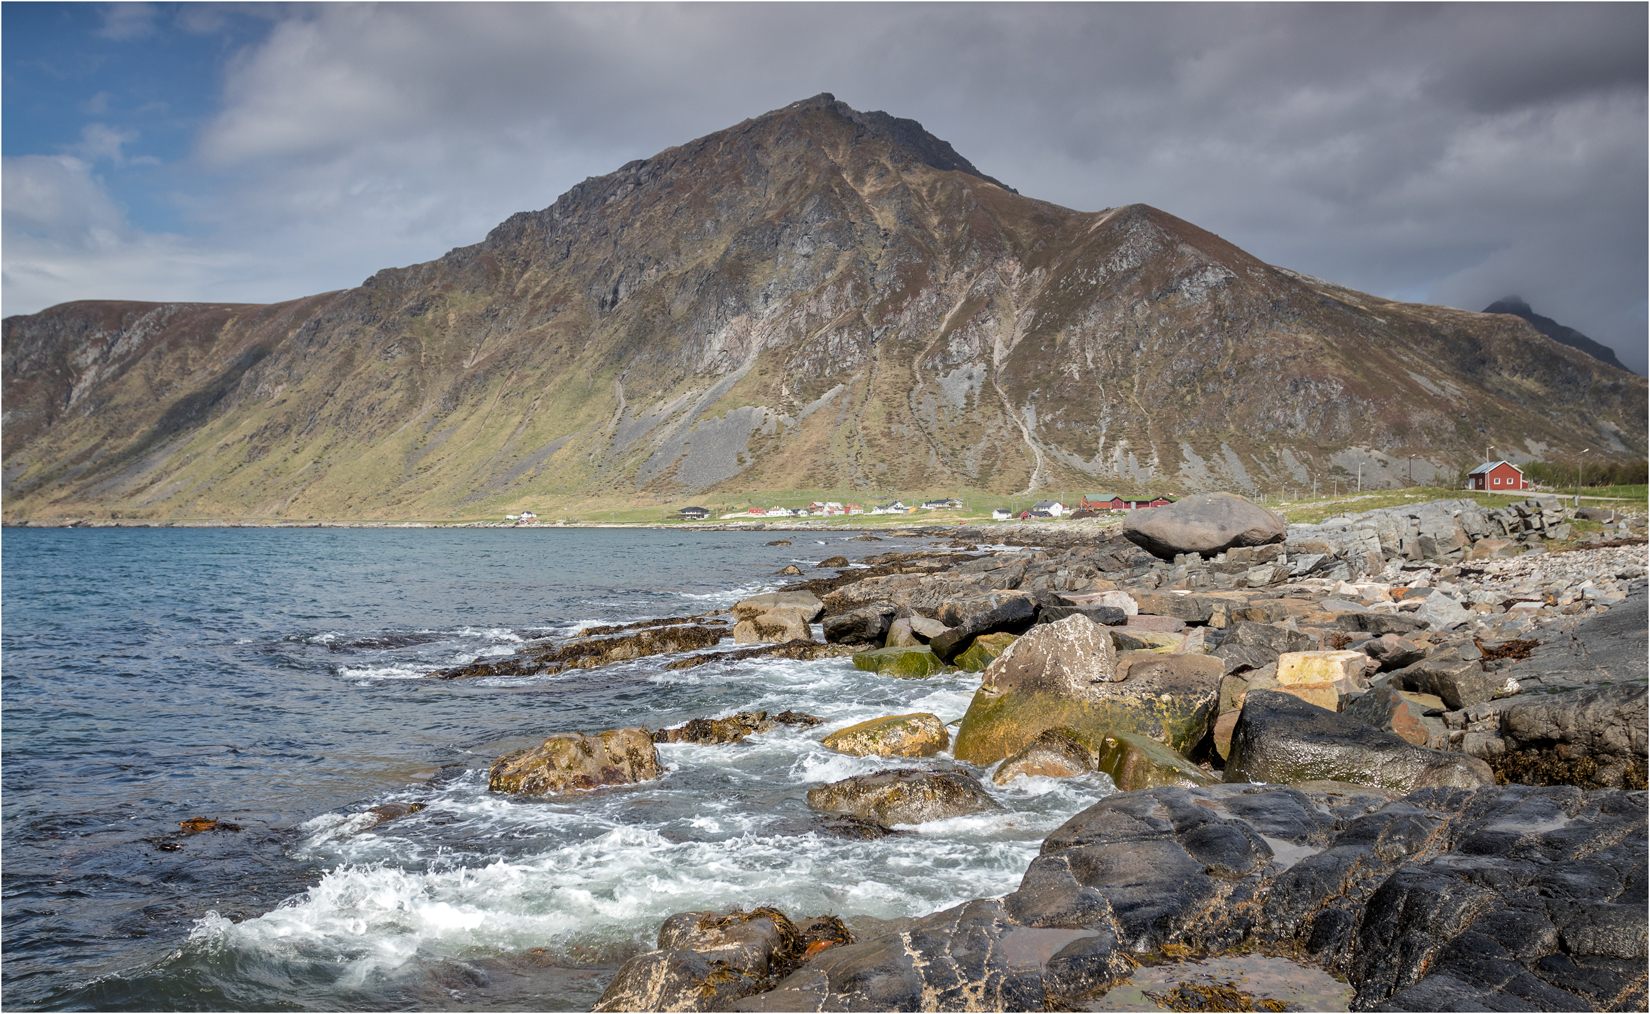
(1448, 154)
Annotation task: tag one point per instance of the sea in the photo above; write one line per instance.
(275, 681)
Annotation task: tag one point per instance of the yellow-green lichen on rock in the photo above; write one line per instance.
(576, 761)
(984, 651)
(906, 663)
(1170, 699)
(1135, 762)
(916, 735)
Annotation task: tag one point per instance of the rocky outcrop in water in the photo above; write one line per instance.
(904, 796)
(918, 735)
(575, 761)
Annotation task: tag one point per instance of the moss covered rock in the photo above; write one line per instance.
(1135, 762)
(984, 651)
(1170, 699)
(918, 735)
(906, 663)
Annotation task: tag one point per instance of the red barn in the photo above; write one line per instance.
(1497, 477)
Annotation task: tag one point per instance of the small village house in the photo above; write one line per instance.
(1053, 508)
(693, 513)
(1497, 476)
(1001, 514)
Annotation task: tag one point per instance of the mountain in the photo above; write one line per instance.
(1556, 331)
(817, 298)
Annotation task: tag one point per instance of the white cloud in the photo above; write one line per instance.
(128, 20)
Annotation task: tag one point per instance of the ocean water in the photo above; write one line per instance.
(274, 680)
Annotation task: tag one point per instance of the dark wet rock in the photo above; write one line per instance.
(845, 825)
(1206, 523)
(588, 653)
(866, 625)
(904, 796)
(797, 718)
(675, 980)
(789, 570)
(835, 561)
(778, 542)
(717, 731)
(576, 761)
(386, 812)
(1249, 645)
(1013, 616)
(802, 650)
(1379, 623)
(749, 942)
(1136, 762)
(1281, 738)
(666, 621)
(1052, 678)
(1500, 898)
(1392, 651)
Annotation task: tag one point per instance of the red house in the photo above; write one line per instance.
(1156, 501)
(1101, 502)
(1497, 476)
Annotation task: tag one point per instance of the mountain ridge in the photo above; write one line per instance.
(1516, 306)
(802, 300)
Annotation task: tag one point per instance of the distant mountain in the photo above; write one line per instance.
(1556, 331)
(817, 298)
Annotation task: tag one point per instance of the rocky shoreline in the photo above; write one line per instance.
(1406, 747)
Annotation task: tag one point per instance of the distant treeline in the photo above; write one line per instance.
(1593, 473)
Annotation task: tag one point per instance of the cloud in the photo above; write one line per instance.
(66, 238)
(122, 21)
(100, 141)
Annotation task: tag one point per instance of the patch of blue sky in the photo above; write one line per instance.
(122, 87)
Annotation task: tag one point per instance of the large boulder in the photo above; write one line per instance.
(775, 627)
(804, 602)
(918, 735)
(576, 761)
(675, 980)
(867, 624)
(904, 796)
(1206, 523)
(1281, 738)
(1068, 674)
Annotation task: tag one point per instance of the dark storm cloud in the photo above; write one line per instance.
(1452, 153)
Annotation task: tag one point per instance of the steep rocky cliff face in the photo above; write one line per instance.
(815, 298)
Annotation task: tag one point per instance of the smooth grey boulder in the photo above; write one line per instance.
(1610, 721)
(1206, 523)
(867, 623)
(1459, 682)
(1441, 612)
(1281, 738)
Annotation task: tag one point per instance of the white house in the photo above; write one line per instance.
(1001, 514)
(1054, 507)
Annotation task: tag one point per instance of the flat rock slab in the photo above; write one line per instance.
(1501, 898)
(904, 796)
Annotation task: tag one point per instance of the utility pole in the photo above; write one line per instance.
(1580, 463)
(1360, 477)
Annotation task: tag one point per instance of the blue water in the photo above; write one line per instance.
(274, 679)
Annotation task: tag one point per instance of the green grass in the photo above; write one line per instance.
(1640, 493)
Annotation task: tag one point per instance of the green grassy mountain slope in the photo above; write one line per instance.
(815, 298)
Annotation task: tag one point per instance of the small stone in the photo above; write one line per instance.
(916, 735)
